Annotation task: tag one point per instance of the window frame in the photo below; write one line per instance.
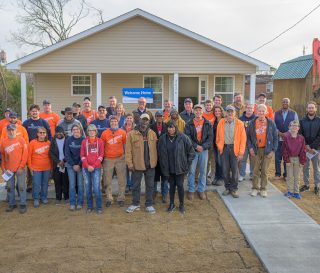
(228, 93)
(72, 85)
(162, 87)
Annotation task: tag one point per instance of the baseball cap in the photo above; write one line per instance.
(13, 114)
(75, 104)
(230, 108)
(262, 95)
(145, 115)
(188, 100)
(46, 102)
(159, 114)
(11, 127)
(198, 106)
(8, 110)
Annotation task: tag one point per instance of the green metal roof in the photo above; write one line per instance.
(297, 68)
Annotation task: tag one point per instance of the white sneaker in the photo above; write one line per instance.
(132, 208)
(254, 193)
(241, 178)
(151, 210)
(263, 194)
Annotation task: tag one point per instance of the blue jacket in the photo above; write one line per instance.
(72, 150)
(283, 125)
(101, 125)
(272, 137)
(33, 125)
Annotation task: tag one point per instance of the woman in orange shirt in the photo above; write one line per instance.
(39, 162)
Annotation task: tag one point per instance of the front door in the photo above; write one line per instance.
(188, 88)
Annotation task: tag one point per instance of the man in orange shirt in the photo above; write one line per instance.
(114, 140)
(262, 143)
(209, 116)
(4, 122)
(167, 110)
(87, 111)
(20, 131)
(231, 143)
(51, 117)
(14, 152)
(200, 132)
(262, 99)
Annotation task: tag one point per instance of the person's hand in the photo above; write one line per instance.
(90, 169)
(76, 168)
(240, 157)
(270, 155)
(308, 149)
(301, 165)
(199, 148)
(20, 171)
(312, 151)
(31, 172)
(61, 164)
(251, 152)
(131, 169)
(288, 164)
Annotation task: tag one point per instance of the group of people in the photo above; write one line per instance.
(207, 143)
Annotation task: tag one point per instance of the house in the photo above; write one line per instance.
(264, 84)
(135, 50)
(293, 80)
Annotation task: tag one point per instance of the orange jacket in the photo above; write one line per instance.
(240, 137)
(52, 119)
(38, 157)
(269, 113)
(14, 154)
(21, 132)
(114, 143)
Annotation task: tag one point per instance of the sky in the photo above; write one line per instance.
(242, 25)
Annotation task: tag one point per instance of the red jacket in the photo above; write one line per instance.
(294, 147)
(91, 153)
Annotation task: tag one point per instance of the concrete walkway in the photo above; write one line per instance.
(284, 237)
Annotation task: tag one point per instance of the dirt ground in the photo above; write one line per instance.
(53, 239)
(309, 203)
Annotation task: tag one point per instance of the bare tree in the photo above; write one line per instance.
(46, 22)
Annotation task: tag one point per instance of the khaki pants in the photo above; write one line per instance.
(293, 174)
(260, 170)
(109, 164)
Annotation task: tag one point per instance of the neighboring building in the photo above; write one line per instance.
(136, 49)
(293, 79)
(264, 84)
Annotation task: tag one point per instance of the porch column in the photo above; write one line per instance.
(98, 87)
(252, 88)
(24, 110)
(176, 90)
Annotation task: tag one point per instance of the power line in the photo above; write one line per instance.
(283, 32)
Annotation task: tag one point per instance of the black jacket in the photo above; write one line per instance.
(83, 122)
(54, 151)
(184, 154)
(310, 129)
(153, 127)
(206, 135)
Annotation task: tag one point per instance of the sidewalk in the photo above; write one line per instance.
(284, 237)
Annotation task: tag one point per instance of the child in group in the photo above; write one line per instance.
(294, 155)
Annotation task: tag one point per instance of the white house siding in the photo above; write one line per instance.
(138, 46)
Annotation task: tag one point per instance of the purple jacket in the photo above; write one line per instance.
(294, 147)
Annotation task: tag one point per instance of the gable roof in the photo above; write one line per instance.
(138, 12)
(297, 68)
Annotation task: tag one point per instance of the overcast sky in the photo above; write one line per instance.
(242, 25)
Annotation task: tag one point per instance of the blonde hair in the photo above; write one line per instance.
(262, 106)
(294, 122)
(92, 127)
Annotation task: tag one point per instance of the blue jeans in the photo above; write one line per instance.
(75, 178)
(40, 184)
(92, 179)
(130, 181)
(200, 159)
(243, 163)
(277, 161)
(21, 186)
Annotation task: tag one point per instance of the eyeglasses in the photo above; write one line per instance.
(42, 133)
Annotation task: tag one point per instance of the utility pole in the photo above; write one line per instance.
(3, 86)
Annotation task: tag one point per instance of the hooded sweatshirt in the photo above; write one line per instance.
(72, 150)
(67, 125)
(92, 152)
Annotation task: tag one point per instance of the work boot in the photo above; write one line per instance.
(22, 209)
(190, 196)
(11, 208)
(234, 194)
(304, 188)
(202, 195)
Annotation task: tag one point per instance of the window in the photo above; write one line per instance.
(224, 86)
(81, 85)
(269, 87)
(155, 82)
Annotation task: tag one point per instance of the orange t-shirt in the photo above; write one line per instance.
(210, 117)
(38, 157)
(90, 115)
(269, 113)
(4, 122)
(198, 125)
(166, 116)
(53, 119)
(21, 132)
(14, 154)
(114, 143)
(261, 133)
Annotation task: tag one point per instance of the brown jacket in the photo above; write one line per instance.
(135, 150)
